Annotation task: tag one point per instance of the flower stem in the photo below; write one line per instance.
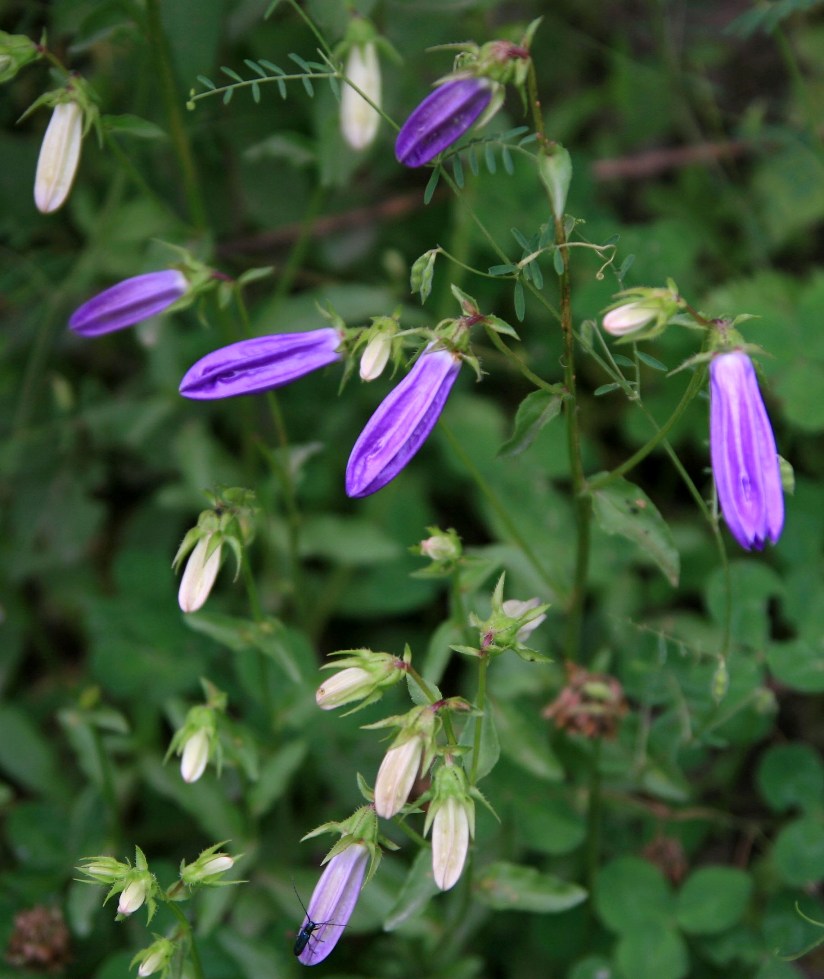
(197, 966)
(480, 703)
(159, 45)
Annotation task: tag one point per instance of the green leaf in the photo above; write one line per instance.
(791, 776)
(510, 887)
(240, 635)
(536, 410)
(520, 301)
(712, 900)
(631, 894)
(622, 508)
(798, 663)
(490, 749)
(275, 776)
(653, 953)
(799, 851)
(418, 889)
(523, 745)
(127, 124)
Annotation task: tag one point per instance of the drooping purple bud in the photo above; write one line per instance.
(260, 364)
(332, 904)
(129, 302)
(401, 423)
(442, 118)
(744, 456)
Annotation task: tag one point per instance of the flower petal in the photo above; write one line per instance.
(333, 902)
(744, 456)
(129, 302)
(59, 156)
(401, 423)
(260, 364)
(442, 118)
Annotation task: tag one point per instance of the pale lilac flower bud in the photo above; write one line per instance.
(631, 317)
(341, 688)
(331, 904)
(195, 756)
(154, 958)
(362, 675)
(129, 302)
(358, 119)
(401, 423)
(451, 816)
(217, 864)
(442, 118)
(199, 576)
(375, 356)
(396, 776)
(133, 895)
(441, 546)
(450, 842)
(59, 156)
(260, 364)
(745, 462)
(209, 864)
(515, 609)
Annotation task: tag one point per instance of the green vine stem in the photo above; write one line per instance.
(197, 966)
(159, 45)
(480, 704)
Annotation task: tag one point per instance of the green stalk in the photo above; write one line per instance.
(197, 966)
(159, 45)
(480, 704)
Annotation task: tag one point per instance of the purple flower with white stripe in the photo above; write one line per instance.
(402, 422)
(332, 904)
(745, 462)
(129, 302)
(260, 364)
(442, 118)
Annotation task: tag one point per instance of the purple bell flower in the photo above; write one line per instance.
(129, 302)
(401, 423)
(331, 904)
(260, 364)
(442, 118)
(744, 457)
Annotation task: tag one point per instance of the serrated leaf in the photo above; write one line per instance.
(536, 410)
(622, 508)
(510, 887)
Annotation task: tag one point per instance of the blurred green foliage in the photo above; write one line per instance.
(696, 137)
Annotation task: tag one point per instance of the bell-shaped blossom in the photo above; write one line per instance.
(59, 156)
(397, 775)
(745, 462)
(442, 118)
(630, 317)
(359, 121)
(155, 958)
(199, 576)
(331, 904)
(134, 894)
(402, 422)
(129, 302)
(450, 842)
(260, 364)
(362, 675)
(195, 756)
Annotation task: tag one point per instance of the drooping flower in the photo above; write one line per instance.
(199, 575)
(359, 121)
(451, 815)
(744, 457)
(362, 675)
(375, 355)
(442, 118)
(402, 422)
(630, 317)
(195, 755)
(133, 895)
(260, 364)
(331, 904)
(59, 156)
(129, 302)
(155, 958)
(396, 776)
